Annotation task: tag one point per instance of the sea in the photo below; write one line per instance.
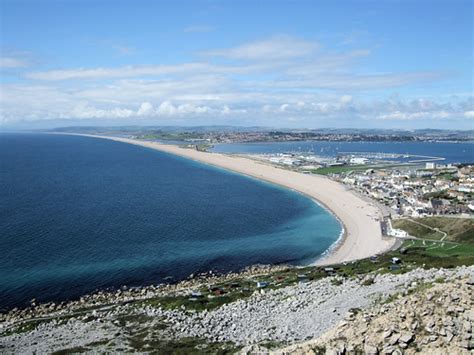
(452, 152)
(81, 214)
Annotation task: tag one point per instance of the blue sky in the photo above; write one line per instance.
(384, 64)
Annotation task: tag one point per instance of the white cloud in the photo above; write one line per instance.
(12, 63)
(469, 114)
(284, 107)
(274, 79)
(346, 99)
(280, 47)
(146, 109)
(120, 72)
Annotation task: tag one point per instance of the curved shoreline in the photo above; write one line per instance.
(362, 235)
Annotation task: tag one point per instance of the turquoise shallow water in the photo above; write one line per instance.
(79, 214)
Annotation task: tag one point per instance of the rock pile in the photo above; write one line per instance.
(375, 313)
(437, 319)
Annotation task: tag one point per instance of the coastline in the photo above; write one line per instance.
(361, 236)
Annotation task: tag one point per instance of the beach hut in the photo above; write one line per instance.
(329, 270)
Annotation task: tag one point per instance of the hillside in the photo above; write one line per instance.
(457, 229)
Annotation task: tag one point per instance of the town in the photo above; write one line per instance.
(415, 192)
(408, 189)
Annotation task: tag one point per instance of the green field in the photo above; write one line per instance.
(348, 168)
(339, 169)
(457, 229)
(453, 251)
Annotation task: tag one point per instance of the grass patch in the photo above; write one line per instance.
(368, 282)
(181, 346)
(272, 344)
(349, 168)
(340, 169)
(319, 350)
(75, 350)
(457, 229)
(416, 230)
(233, 290)
(415, 254)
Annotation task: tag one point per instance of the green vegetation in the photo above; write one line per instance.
(75, 350)
(238, 288)
(340, 169)
(368, 282)
(416, 229)
(172, 136)
(353, 168)
(202, 147)
(442, 253)
(182, 346)
(413, 254)
(447, 176)
(144, 342)
(457, 229)
(270, 345)
(319, 350)
(437, 195)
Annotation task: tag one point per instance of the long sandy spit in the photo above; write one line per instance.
(362, 236)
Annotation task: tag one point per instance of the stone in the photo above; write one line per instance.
(386, 334)
(449, 337)
(407, 337)
(370, 349)
(388, 350)
(469, 345)
(394, 339)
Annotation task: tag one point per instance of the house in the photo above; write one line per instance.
(329, 270)
(196, 294)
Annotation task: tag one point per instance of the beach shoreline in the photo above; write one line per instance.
(360, 219)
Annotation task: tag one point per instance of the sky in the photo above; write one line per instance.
(296, 64)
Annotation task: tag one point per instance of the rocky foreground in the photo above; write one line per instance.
(374, 313)
(436, 320)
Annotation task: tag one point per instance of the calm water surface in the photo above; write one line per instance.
(452, 152)
(79, 214)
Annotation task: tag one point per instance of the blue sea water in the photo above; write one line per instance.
(79, 214)
(462, 152)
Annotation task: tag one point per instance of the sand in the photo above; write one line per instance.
(362, 236)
